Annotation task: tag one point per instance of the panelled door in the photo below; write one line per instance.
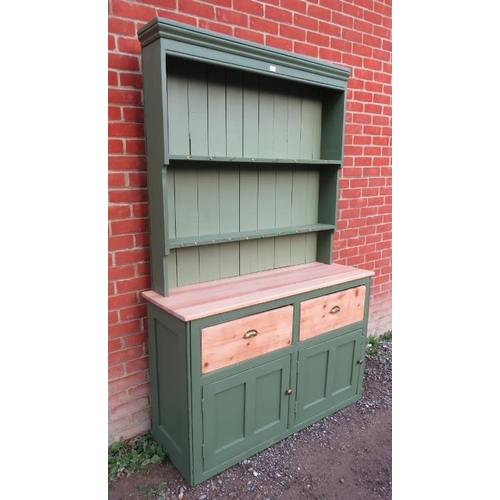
(328, 375)
(244, 410)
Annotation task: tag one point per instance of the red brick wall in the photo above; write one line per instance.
(356, 34)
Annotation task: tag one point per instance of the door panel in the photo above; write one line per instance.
(328, 375)
(244, 410)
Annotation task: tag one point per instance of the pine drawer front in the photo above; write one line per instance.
(329, 312)
(245, 338)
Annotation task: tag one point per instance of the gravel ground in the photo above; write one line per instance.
(346, 456)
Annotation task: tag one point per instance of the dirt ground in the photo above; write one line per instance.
(346, 456)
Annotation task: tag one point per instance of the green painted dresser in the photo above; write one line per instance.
(254, 333)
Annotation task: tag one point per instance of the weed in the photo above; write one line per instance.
(154, 492)
(125, 458)
(373, 342)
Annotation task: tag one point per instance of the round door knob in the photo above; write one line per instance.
(288, 392)
(360, 361)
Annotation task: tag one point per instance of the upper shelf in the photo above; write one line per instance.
(233, 100)
(214, 112)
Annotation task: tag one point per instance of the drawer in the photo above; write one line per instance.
(245, 338)
(329, 312)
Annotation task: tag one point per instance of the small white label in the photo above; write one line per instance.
(272, 68)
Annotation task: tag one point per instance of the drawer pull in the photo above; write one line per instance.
(250, 334)
(334, 309)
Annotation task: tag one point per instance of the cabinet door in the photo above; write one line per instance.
(243, 411)
(329, 376)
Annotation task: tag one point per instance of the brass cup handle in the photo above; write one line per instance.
(250, 334)
(334, 309)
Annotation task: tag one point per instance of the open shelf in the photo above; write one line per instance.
(247, 235)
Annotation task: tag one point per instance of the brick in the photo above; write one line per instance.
(372, 17)
(232, 17)
(115, 358)
(112, 78)
(128, 195)
(115, 146)
(126, 162)
(329, 29)
(129, 226)
(111, 42)
(117, 399)
(114, 345)
(175, 16)
(139, 365)
(219, 28)
(114, 113)
(115, 372)
(330, 55)
(252, 36)
(383, 8)
(138, 179)
(279, 43)
(249, 6)
(133, 114)
(305, 49)
(364, 74)
(362, 139)
(141, 239)
(139, 391)
(351, 60)
(129, 45)
(372, 151)
(144, 268)
(115, 242)
(133, 11)
(335, 5)
(140, 210)
(139, 338)
(340, 44)
(118, 212)
(362, 50)
(132, 255)
(363, 26)
(318, 39)
(372, 41)
(294, 5)
(305, 22)
(129, 407)
(135, 146)
(133, 80)
(121, 273)
(113, 317)
(134, 284)
(121, 26)
(319, 12)
(118, 96)
(124, 327)
(376, 88)
(118, 301)
(278, 14)
(370, 63)
(342, 20)
(352, 35)
(292, 32)
(196, 8)
(263, 25)
(123, 62)
(382, 32)
(125, 130)
(362, 161)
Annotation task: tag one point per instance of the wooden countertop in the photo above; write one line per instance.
(199, 300)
